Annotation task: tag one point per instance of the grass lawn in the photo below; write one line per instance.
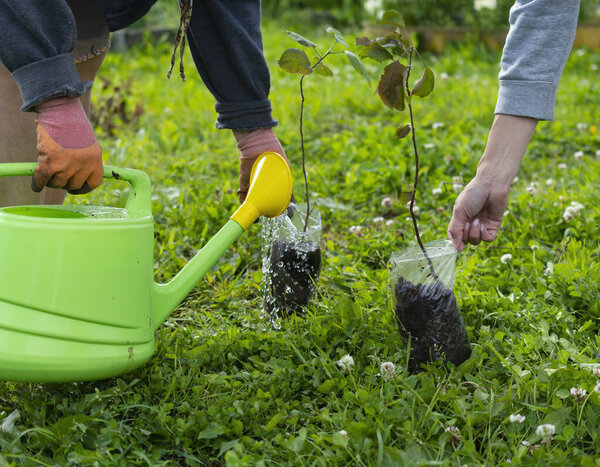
(225, 386)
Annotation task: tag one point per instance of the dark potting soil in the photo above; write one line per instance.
(429, 316)
(293, 271)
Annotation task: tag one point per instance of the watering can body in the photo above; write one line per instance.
(77, 296)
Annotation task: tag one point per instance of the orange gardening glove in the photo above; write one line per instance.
(69, 156)
(253, 143)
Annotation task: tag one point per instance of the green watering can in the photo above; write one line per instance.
(78, 299)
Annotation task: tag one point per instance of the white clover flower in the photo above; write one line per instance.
(597, 153)
(389, 222)
(457, 187)
(545, 431)
(569, 214)
(561, 166)
(535, 247)
(597, 387)
(378, 219)
(549, 269)
(387, 370)
(429, 146)
(504, 259)
(582, 126)
(531, 189)
(596, 372)
(437, 125)
(515, 180)
(356, 230)
(343, 433)
(346, 363)
(577, 206)
(436, 191)
(408, 218)
(549, 182)
(572, 210)
(578, 155)
(578, 394)
(516, 418)
(440, 209)
(443, 75)
(525, 443)
(455, 432)
(386, 202)
(457, 179)
(480, 4)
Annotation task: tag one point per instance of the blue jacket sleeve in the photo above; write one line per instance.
(226, 43)
(537, 47)
(36, 40)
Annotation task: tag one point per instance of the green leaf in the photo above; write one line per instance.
(406, 192)
(376, 52)
(339, 439)
(392, 17)
(274, 421)
(338, 36)
(209, 433)
(295, 61)
(364, 41)
(425, 85)
(563, 393)
(357, 64)
(322, 69)
(391, 85)
(327, 386)
(301, 40)
(403, 131)
(397, 38)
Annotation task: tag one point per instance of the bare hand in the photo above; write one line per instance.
(477, 214)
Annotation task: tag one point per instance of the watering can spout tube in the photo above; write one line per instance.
(166, 297)
(269, 194)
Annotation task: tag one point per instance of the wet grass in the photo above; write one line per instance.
(224, 386)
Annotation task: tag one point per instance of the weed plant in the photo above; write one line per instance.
(224, 387)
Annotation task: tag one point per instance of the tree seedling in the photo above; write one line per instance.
(428, 315)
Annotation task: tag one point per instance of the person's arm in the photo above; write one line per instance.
(537, 47)
(36, 41)
(479, 209)
(225, 39)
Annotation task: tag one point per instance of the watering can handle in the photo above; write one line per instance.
(139, 201)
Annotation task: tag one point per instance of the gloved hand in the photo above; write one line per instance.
(252, 143)
(69, 156)
(477, 213)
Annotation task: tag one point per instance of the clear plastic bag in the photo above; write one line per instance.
(291, 261)
(426, 309)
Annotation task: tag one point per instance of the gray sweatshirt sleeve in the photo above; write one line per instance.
(537, 47)
(36, 40)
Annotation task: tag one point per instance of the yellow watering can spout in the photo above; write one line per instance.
(270, 190)
(269, 195)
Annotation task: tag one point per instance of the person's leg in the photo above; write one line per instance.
(17, 143)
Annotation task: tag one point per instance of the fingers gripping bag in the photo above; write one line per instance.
(430, 322)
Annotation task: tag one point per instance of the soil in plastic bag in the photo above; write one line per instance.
(293, 271)
(429, 317)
